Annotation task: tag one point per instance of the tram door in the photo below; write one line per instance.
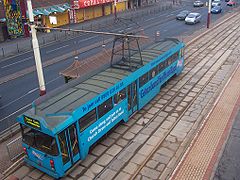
(69, 146)
(132, 98)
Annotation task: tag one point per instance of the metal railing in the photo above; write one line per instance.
(14, 148)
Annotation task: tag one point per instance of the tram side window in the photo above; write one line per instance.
(169, 60)
(74, 140)
(63, 146)
(161, 66)
(143, 79)
(175, 56)
(172, 58)
(153, 72)
(181, 52)
(87, 120)
(119, 96)
(105, 107)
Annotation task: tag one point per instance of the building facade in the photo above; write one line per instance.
(82, 10)
(52, 13)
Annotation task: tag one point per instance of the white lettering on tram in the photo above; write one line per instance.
(37, 155)
(105, 123)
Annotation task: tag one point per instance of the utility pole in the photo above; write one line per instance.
(36, 50)
(115, 9)
(209, 13)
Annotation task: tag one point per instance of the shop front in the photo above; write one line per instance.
(134, 4)
(121, 5)
(107, 9)
(89, 9)
(52, 16)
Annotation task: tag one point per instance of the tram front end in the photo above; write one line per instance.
(40, 148)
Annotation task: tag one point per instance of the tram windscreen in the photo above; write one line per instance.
(39, 140)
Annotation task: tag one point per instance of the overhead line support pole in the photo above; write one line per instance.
(209, 13)
(115, 9)
(36, 50)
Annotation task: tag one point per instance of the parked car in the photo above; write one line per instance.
(193, 18)
(216, 9)
(198, 4)
(182, 15)
(216, 3)
(231, 3)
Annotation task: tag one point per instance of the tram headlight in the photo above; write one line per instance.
(52, 164)
(25, 150)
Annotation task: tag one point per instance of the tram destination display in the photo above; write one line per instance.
(32, 122)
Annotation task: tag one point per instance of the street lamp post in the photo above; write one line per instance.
(36, 50)
(209, 13)
(115, 9)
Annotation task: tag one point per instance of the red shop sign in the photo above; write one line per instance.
(88, 3)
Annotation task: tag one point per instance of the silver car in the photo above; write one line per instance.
(193, 18)
(216, 3)
(198, 4)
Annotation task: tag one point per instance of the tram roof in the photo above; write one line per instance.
(75, 96)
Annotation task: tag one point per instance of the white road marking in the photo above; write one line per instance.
(87, 39)
(28, 105)
(17, 62)
(57, 49)
(169, 15)
(29, 92)
(161, 15)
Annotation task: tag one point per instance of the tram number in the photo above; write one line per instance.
(32, 122)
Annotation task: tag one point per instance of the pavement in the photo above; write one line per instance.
(203, 154)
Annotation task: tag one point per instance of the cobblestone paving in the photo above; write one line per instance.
(202, 155)
(150, 145)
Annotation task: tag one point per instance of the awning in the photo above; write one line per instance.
(46, 11)
(65, 6)
(37, 12)
(3, 20)
(57, 9)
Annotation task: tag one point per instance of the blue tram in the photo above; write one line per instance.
(59, 129)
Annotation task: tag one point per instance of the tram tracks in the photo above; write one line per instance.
(157, 147)
(175, 123)
(133, 122)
